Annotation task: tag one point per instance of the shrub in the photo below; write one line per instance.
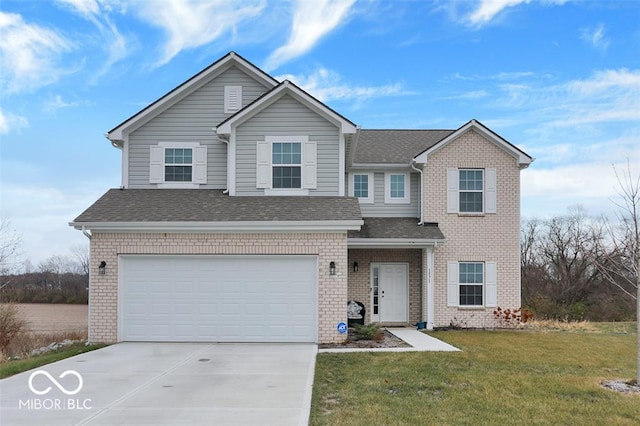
(512, 317)
(12, 324)
(368, 332)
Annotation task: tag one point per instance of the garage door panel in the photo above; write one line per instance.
(218, 298)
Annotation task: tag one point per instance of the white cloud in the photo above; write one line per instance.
(11, 123)
(194, 23)
(30, 54)
(56, 102)
(596, 37)
(327, 85)
(488, 10)
(473, 94)
(312, 20)
(96, 12)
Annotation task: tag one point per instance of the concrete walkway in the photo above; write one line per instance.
(419, 341)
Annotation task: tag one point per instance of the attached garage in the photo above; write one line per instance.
(222, 298)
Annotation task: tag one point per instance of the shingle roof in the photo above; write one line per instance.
(397, 227)
(208, 205)
(394, 146)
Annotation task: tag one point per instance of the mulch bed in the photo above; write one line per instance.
(387, 340)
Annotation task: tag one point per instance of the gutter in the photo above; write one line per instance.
(86, 233)
(411, 164)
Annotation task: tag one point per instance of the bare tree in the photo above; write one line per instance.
(81, 254)
(10, 246)
(620, 264)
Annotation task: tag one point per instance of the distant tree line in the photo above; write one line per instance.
(576, 267)
(59, 279)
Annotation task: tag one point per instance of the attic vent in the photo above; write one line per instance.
(232, 99)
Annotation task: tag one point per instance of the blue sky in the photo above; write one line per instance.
(558, 78)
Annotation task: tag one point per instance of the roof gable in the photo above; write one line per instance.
(286, 87)
(180, 92)
(523, 158)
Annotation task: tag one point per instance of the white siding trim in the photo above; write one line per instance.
(370, 198)
(387, 188)
(453, 197)
(453, 289)
(491, 285)
(490, 190)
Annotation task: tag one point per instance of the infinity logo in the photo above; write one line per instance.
(55, 382)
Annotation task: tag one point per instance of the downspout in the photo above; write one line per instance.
(86, 233)
(226, 191)
(411, 164)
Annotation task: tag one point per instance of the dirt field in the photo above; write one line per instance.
(54, 318)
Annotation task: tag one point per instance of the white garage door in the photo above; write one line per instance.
(218, 298)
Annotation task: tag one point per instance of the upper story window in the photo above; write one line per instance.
(471, 191)
(178, 165)
(361, 186)
(286, 165)
(396, 188)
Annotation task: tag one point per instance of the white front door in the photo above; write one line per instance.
(389, 290)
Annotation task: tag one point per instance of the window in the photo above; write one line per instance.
(471, 191)
(397, 188)
(471, 279)
(287, 165)
(178, 165)
(361, 186)
(472, 284)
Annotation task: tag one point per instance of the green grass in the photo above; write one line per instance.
(511, 377)
(9, 368)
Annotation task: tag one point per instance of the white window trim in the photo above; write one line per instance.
(489, 191)
(181, 185)
(481, 191)
(308, 166)
(387, 188)
(363, 200)
(489, 285)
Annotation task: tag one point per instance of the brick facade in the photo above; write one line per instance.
(332, 290)
(489, 237)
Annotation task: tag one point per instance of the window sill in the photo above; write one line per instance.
(471, 214)
(472, 308)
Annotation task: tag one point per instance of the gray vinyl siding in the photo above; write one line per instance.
(287, 117)
(379, 209)
(192, 119)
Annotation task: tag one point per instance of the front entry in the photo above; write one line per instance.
(389, 290)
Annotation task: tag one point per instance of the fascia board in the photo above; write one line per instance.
(238, 226)
(391, 242)
(183, 90)
(368, 166)
(277, 93)
(522, 158)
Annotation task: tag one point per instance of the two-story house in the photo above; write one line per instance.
(252, 212)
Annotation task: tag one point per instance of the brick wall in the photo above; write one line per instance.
(491, 237)
(360, 282)
(332, 290)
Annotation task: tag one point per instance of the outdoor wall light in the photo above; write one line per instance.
(355, 266)
(332, 268)
(102, 268)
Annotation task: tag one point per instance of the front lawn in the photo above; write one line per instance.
(508, 377)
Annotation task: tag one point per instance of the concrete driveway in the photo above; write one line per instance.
(166, 383)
